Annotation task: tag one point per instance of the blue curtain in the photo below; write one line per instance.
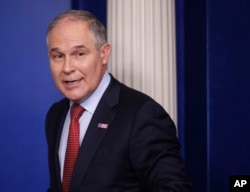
(213, 45)
(97, 7)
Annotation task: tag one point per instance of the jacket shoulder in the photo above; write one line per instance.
(58, 107)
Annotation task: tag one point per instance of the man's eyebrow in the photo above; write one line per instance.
(54, 49)
(79, 46)
(75, 47)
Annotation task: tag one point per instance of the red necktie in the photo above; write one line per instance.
(72, 146)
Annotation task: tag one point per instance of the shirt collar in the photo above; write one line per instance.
(92, 101)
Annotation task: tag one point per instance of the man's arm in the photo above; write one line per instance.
(155, 151)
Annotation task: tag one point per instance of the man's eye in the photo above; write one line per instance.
(58, 56)
(80, 54)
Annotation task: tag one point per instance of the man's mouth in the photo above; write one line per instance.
(73, 81)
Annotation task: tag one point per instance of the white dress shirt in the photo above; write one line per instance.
(89, 105)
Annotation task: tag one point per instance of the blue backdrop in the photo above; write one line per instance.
(213, 45)
(26, 92)
(97, 7)
(214, 92)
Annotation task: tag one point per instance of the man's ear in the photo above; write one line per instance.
(105, 51)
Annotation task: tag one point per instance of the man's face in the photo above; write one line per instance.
(76, 65)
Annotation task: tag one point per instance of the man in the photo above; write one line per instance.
(126, 141)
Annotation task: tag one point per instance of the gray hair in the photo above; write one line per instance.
(96, 27)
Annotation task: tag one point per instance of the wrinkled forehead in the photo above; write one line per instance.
(68, 34)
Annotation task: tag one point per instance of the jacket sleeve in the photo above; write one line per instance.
(155, 151)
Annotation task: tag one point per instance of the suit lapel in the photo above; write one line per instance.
(94, 135)
(64, 109)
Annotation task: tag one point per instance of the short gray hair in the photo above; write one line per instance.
(96, 27)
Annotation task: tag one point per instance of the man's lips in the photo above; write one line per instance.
(72, 81)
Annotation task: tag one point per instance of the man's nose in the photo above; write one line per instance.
(68, 65)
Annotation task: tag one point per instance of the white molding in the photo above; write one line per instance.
(142, 35)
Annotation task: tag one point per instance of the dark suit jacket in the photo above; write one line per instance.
(138, 152)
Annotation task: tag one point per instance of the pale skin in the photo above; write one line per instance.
(77, 66)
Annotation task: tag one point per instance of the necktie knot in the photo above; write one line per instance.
(76, 111)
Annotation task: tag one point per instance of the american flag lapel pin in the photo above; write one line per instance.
(102, 125)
